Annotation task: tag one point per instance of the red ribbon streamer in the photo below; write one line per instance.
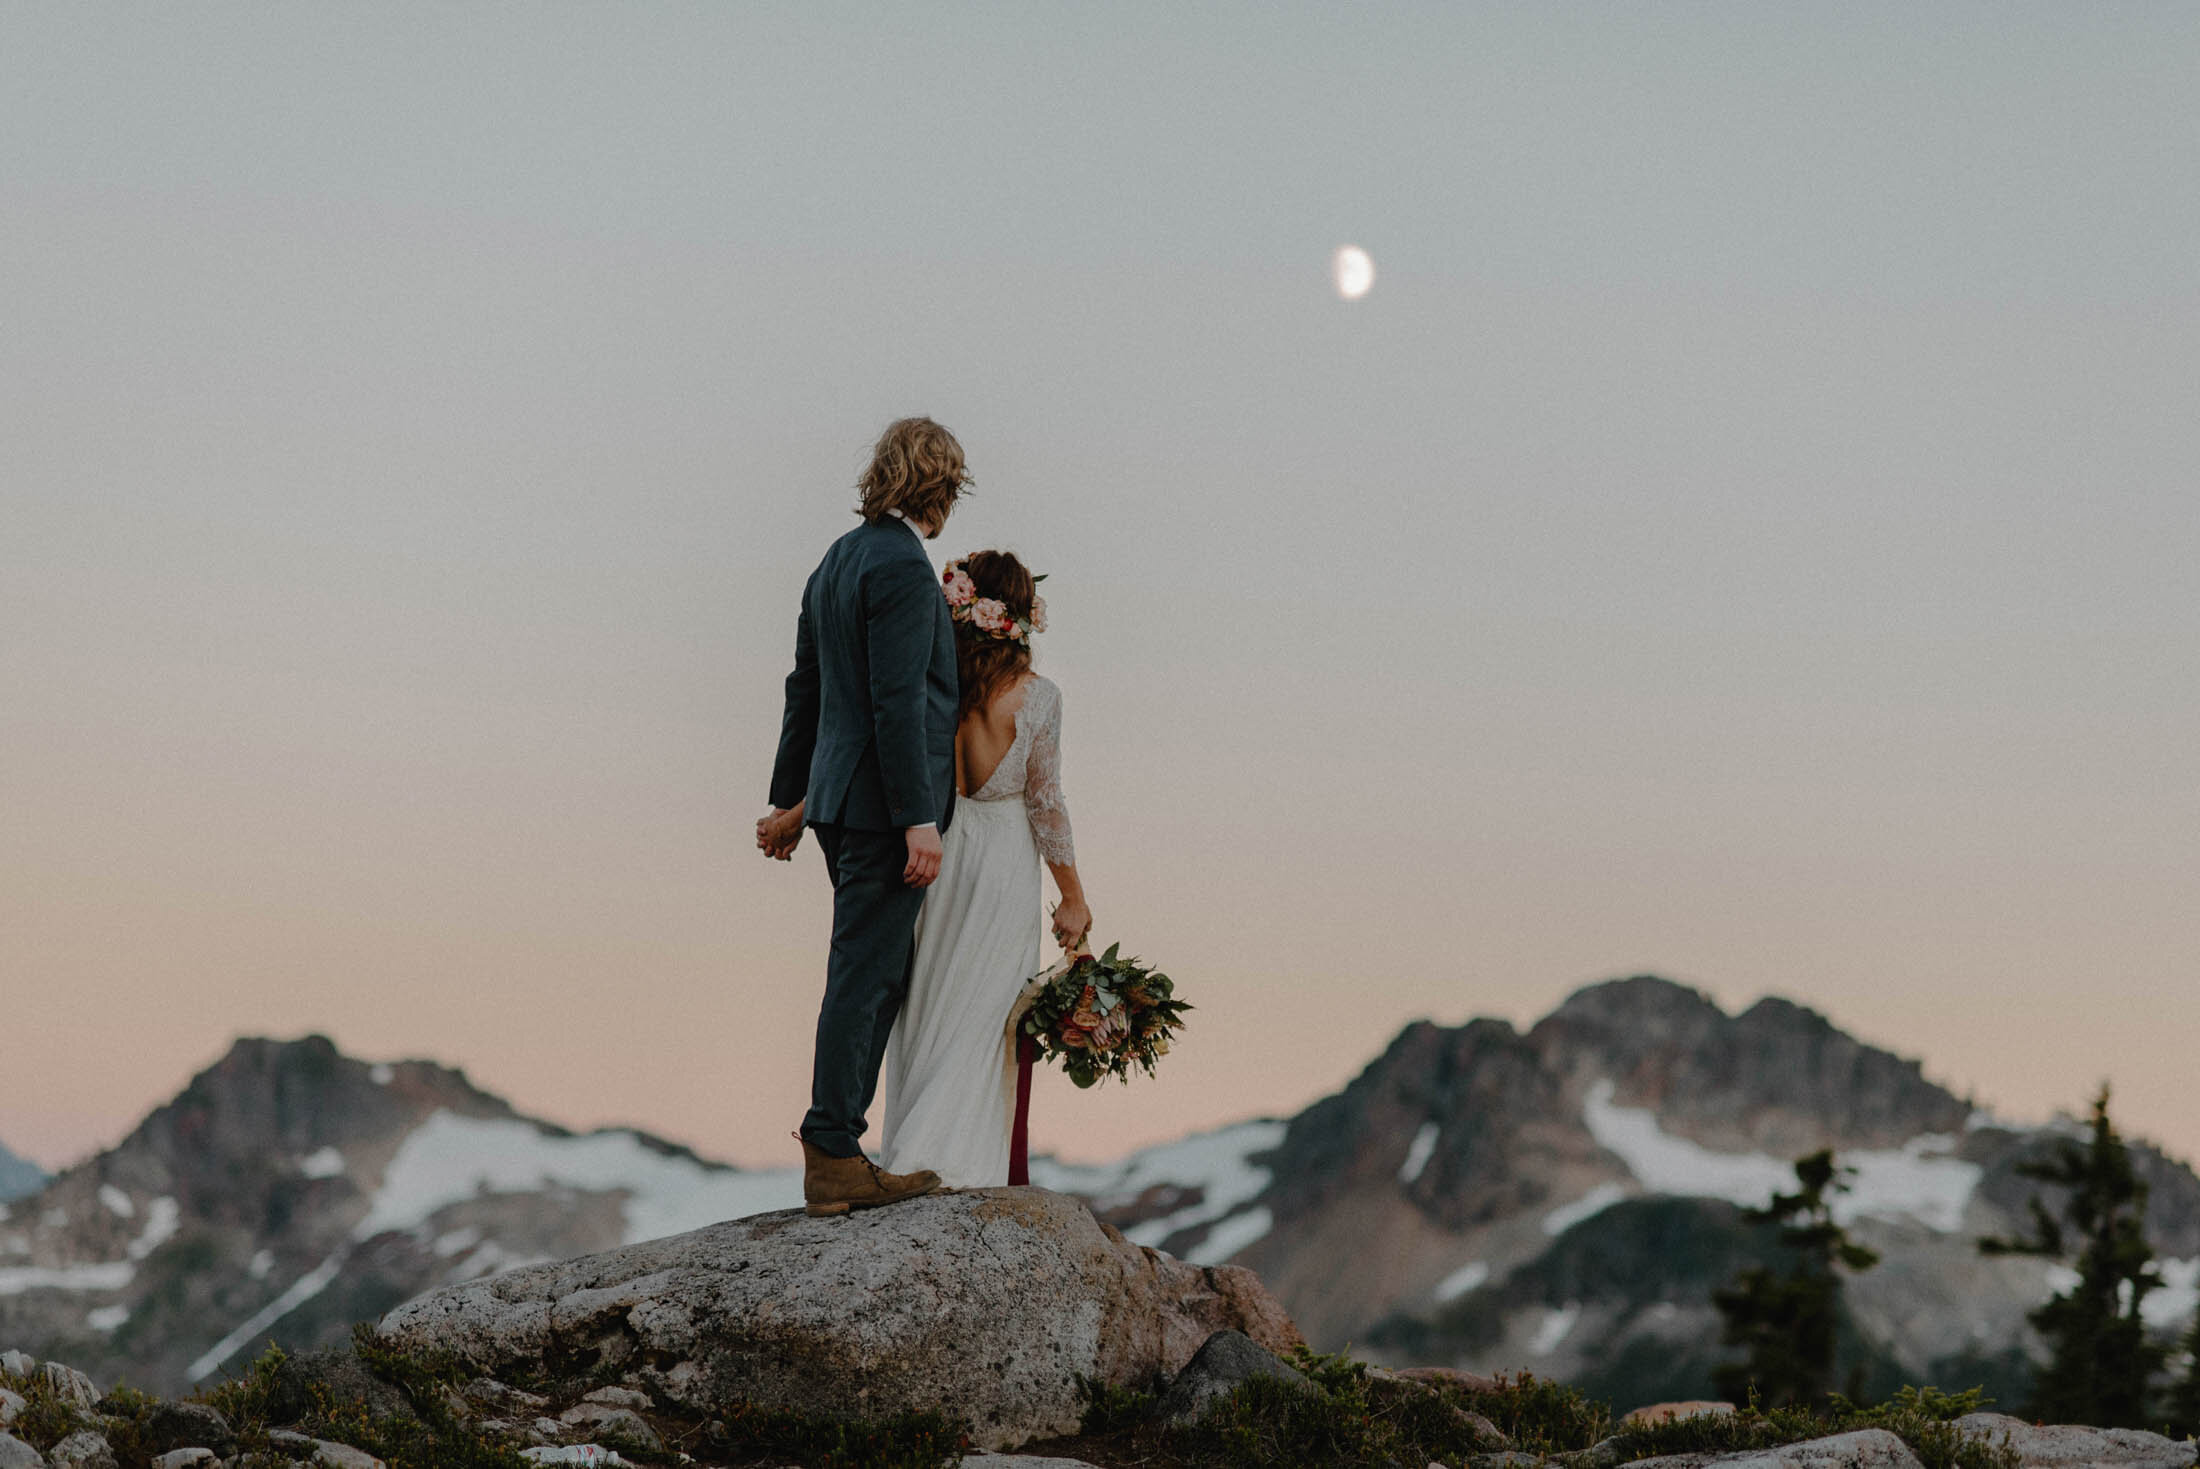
(1019, 1138)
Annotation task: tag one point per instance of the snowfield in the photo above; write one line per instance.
(1220, 1164)
(1920, 1181)
(449, 1159)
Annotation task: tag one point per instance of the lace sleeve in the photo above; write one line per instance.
(1043, 800)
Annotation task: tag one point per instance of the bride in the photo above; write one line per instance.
(950, 1073)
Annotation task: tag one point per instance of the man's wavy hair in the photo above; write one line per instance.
(916, 468)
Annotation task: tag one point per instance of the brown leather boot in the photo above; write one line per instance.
(833, 1185)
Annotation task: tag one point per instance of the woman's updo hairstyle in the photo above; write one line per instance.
(987, 665)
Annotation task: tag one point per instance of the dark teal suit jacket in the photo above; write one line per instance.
(868, 737)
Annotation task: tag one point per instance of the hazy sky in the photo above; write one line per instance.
(1747, 534)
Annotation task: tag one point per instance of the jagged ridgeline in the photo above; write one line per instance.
(1563, 1199)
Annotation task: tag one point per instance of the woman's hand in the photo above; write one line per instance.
(1072, 921)
(778, 834)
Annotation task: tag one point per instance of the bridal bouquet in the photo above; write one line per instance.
(1099, 1016)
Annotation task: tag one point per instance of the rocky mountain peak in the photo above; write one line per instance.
(18, 1176)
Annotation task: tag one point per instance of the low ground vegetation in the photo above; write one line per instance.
(416, 1412)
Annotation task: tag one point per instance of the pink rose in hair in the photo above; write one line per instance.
(989, 614)
(959, 587)
(1038, 613)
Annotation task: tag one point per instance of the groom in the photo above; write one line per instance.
(867, 756)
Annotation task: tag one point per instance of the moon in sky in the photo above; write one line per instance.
(1354, 270)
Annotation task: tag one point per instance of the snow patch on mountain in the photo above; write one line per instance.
(450, 1158)
(1554, 1328)
(304, 1289)
(1920, 1180)
(1417, 1155)
(112, 1275)
(162, 1218)
(1588, 1206)
(1219, 1165)
(322, 1163)
(1470, 1276)
(2173, 1304)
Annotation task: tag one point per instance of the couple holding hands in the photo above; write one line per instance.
(924, 751)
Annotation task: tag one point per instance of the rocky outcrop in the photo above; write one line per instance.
(994, 1301)
(2070, 1446)
(1867, 1448)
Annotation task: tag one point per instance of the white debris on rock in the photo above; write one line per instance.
(117, 1202)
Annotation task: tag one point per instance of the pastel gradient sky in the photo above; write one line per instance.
(1747, 534)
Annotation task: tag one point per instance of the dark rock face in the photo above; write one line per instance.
(1226, 1359)
(19, 1177)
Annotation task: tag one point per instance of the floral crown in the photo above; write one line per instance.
(989, 617)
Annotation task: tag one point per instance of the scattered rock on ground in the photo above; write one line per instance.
(1867, 1448)
(69, 1385)
(292, 1444)
(11, 1404)
(192, 1458)
(619, 1397)
(343, 1456)
(18, 1364)
(342, 1377)
(82, 1450)
(992, 1300)
(1441, 1377)
(613, 1425)
(1651, 1413)
(580, 1453)
(2071, 1446)
(189, 1425)
(495, 1397)
(16, 1454)
(1226, 1359)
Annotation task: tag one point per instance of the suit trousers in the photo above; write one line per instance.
(866, 979)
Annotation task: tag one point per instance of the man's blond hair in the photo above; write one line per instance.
(916, 468)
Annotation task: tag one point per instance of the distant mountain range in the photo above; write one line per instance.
(18, 1176)
(1562, 1199)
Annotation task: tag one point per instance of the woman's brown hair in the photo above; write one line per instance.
(986, 665)
(916, 468)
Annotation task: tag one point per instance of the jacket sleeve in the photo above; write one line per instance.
(901, 609)
(798, 726)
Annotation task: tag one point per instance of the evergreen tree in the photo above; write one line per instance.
(1787, 1321)
(2184, 1399)
(2103, 1365)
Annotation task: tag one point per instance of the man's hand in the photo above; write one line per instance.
(924, 856)
(778, 834)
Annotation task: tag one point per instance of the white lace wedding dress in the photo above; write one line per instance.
(950, 1073)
